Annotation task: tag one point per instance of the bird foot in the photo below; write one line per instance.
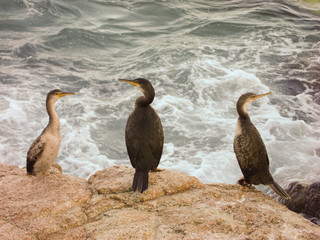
(57, 166)
(158, 170)
(242, 182)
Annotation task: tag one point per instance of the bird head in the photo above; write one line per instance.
(56, 94)
(142, 84)
(250, 97)
(247, 98)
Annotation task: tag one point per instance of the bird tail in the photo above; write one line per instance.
(140, 181)
(279, 190)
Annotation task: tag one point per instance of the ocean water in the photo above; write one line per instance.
(200, 57)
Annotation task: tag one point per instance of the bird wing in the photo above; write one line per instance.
(267, 158)
(132, 139)
(157, 141)
(34, 153)
(240, 146)
(144, 137)
(252, 155)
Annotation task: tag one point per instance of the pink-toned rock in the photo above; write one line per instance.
(112, 188)
(175, 206)
(43, 205)
(118, 180)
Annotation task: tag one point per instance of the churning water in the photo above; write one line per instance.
(200, 57)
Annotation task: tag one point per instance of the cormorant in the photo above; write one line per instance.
(144, 135)
(250, 150)
(44, 150)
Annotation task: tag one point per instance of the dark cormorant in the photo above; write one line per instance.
(250, 150)
(44, 150)
(144, 135)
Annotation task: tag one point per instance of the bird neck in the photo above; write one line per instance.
(242, 111)
(146, 99)
(54, 123)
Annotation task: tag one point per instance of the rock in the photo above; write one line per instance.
(305, 199)
(118, 180)
(112, 188)
(37, 207)
(175, 206)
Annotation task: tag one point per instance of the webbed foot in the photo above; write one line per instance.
(242, 182)
(158, 170)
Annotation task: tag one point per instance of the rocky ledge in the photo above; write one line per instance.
(175, 206)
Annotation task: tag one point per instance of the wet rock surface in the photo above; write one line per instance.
(305, 200)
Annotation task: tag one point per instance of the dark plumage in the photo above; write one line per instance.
(144, 135)
(250, 150)
(44, 150)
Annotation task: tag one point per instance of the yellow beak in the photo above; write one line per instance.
(65, 94)
(261, 95)
(128, 81)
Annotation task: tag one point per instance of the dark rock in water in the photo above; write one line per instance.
(290, 87)
(305, 200)
(312, 219)
(318, 152)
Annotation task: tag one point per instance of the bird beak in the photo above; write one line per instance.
(65, 94)
(261, 95)
(129, 81)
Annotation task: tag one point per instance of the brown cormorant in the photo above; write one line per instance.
(144, 135)
(250, 150)
(44, 150)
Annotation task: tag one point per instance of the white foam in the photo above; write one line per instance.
(198, 80)
(210, 120)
